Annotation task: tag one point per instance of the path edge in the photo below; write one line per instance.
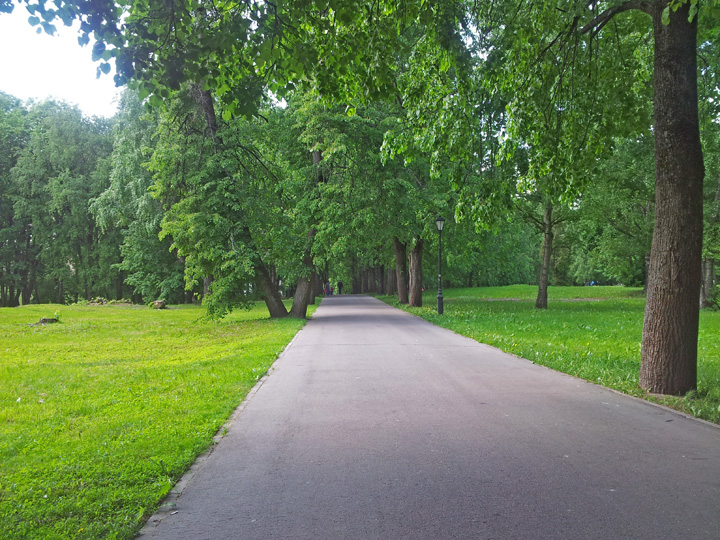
(168, 504)
(639, 399)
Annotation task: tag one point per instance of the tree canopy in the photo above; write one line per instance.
(404, 109)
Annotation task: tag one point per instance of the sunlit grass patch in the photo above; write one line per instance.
(102, 412)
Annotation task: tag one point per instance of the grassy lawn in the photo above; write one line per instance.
(101, 413)
(590, 332)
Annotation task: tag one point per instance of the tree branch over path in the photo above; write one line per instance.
(599, 22)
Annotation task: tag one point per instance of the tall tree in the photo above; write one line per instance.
(148, 265)
(63, 166)
(15, 263)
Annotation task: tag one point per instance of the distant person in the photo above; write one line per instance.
(339, 287)
(327, 289)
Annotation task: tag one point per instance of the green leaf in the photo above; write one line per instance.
(97, 51)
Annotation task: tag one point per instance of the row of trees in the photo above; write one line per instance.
(491, 107)
(87, 218)
(165, 204)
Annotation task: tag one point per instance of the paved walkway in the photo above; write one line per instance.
(374, 424)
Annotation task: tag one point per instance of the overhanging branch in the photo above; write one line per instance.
(606, 16)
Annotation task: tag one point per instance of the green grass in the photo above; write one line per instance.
(589, 332)
(101, 413)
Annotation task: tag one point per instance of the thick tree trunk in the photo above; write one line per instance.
(271, 295)
(207, 284)
(401, 270)
(542, 298)
(416, 279)
(670, 330)
(317, 287)
(303, 291)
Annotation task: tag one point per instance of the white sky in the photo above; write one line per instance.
(40, 66)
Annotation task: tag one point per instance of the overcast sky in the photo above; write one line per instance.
(40, 66)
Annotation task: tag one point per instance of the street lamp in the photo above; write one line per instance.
(439, 223)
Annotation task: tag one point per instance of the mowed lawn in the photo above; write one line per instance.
(590, 332)
(101, 413)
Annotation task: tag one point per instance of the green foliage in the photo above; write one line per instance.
(14, 265)
(127, 208)
(612, 236)
(100, 415)
(60, 165)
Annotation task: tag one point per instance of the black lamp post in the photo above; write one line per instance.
(439, 223)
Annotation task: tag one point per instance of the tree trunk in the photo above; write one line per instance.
(26, 290)
(708, 283)
(357, 284)
(207, 283)
(380, 279)
(60, 292)
(416, 291)
(542, 298)
(119, 282)
(271, 295)
(708, 266)
(205, 100)
(390, 281)
(303, 291)
(670, 330)
(401, 270)
(16, 297)
(317, 287)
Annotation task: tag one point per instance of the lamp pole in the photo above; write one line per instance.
(439, 223)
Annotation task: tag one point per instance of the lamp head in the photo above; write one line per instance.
(439, 223)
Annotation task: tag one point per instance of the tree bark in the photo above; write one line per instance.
(390, 281)
(303, 291)
(416, 279)
(401, 270)
(708, 283)
(670, 330)
(207, 284)
(271, 295)
(542, 297)
(380, 279)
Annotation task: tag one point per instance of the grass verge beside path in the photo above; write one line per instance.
(590, 332)
(102, 413)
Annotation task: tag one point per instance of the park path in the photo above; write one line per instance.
(375, 424)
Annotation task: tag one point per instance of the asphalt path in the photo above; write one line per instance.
(374, 424)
